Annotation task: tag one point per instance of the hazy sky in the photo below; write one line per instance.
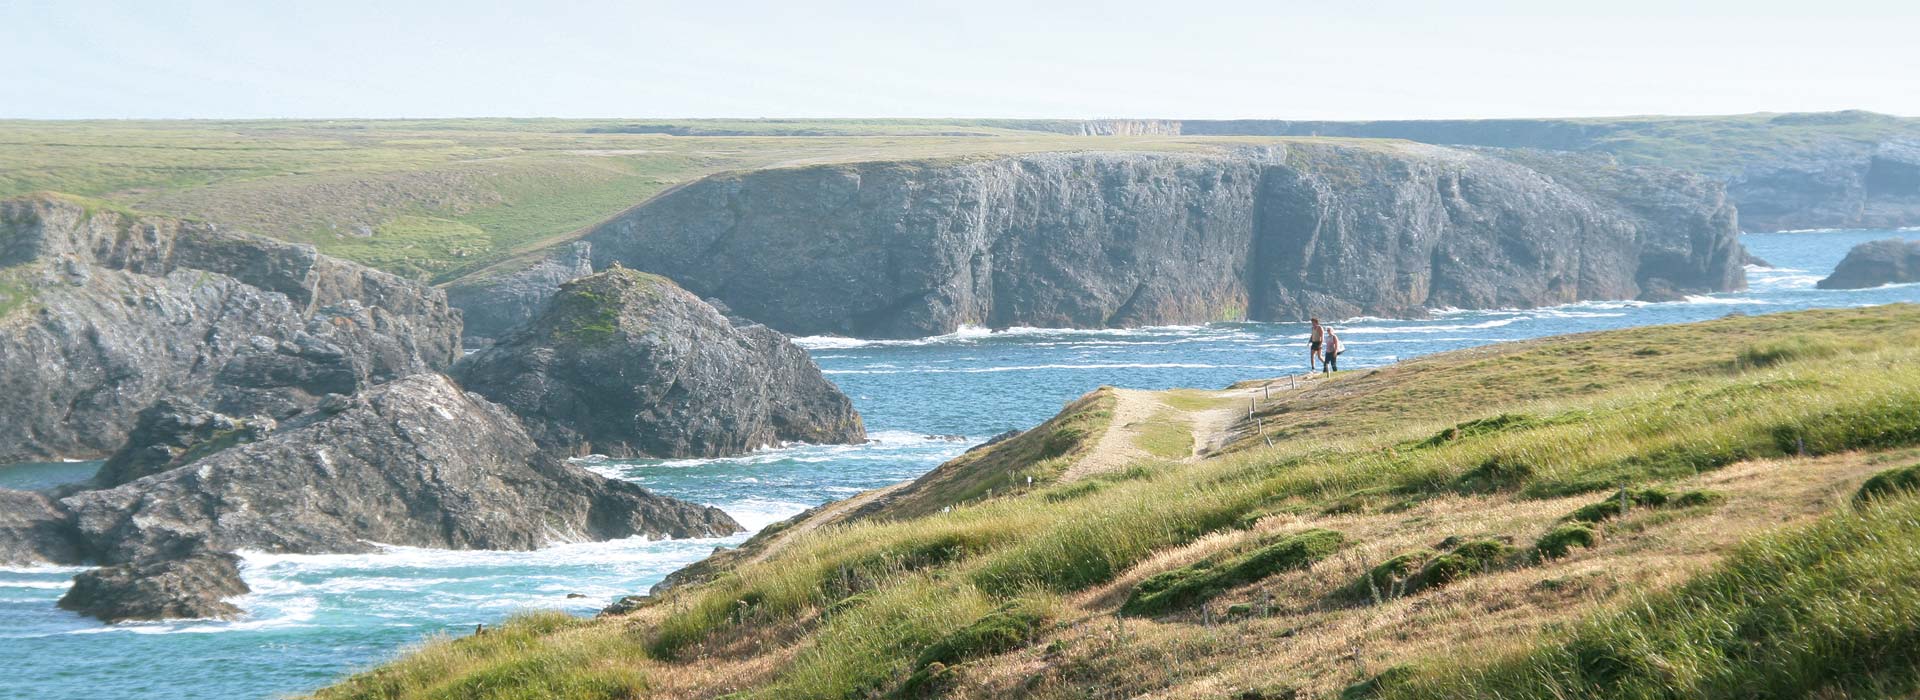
(1332, 59)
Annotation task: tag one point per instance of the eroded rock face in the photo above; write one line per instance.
(193, 586)
(103, 313)
(494, 306)
(1876, 263)
(908, 249)
(171, 433)
(415, 462)
(624, 363)
(35, 530)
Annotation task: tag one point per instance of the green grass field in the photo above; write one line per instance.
(1691, 590)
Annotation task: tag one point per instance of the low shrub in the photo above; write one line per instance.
(1888, 483)
(1561, 540)
(1199, 582)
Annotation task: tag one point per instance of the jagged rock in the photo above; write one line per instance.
(625, 605)
(495, 305)
(34, 530)
(1876, 263)
(624, 363)
(415, 462)
(192, 586)
(172, 433)
(103, 313)
(916, 248)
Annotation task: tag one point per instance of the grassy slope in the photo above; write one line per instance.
(1422, 460)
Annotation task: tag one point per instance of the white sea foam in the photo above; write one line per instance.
(1031, 368)
(973, 334)
(1363, 330)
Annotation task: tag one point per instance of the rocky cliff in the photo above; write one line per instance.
(494, 306)
(624, 363)
(415, 462)
(904, 249)
(1888, 261)
(103, 313)
(1785, 171)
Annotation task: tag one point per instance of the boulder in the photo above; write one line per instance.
(194, 586)
(103, 313)
(624, 363)
(1876, 263)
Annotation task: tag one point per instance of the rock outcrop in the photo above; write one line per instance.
(194, 586)
(415, 462)
(171, 433)
(1876, 263)
(624, 363)
(34, 529)
(907, 249)
(494, 306)
(103, 313)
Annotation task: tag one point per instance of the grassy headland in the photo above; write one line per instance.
(1403, 519)
(440, 199)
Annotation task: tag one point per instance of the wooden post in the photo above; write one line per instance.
(1265, 395)
(1292, 381)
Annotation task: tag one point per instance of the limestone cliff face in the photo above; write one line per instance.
(904, 249)
(102, 314)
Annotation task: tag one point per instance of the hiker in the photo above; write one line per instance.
(1313, 343)
(1330, 361)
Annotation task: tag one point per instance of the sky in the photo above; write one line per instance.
(1371, 59)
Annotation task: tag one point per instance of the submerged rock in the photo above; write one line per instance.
(624, 363)
(193, 586)
(103, 313)
(1876, 263)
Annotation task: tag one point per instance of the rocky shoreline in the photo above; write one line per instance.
(254, 395)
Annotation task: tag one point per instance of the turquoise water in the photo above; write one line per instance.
(313, 618)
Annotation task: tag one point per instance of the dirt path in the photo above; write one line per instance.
(1208, 416)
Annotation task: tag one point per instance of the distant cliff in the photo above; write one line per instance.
(1785, 171)
(903, 249)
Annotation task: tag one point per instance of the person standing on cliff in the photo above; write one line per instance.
(1330, 361)
(1313, 343)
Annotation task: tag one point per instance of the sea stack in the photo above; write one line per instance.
(624, 363)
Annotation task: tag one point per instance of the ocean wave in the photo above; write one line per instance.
(60, 585)
(48, 569)
(1706, 300)
(1060, 366)
(973, 334)
(1491, 323)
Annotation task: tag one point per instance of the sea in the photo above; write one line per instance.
(314, 618)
